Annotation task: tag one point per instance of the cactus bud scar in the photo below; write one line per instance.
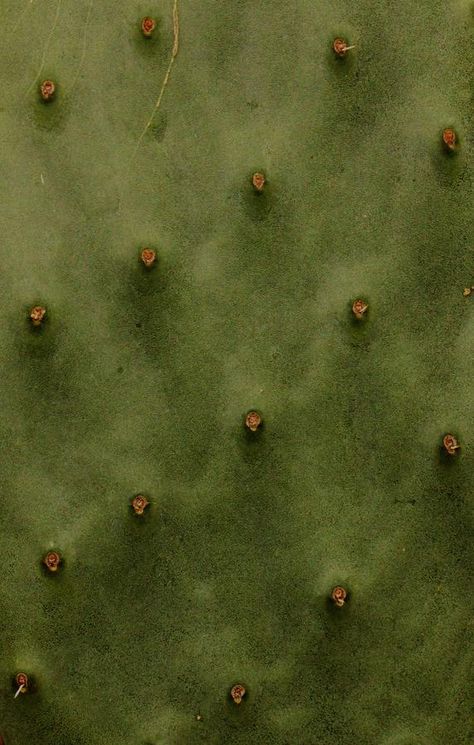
(37, 315)
(47, 90)
(341, 47)
(52, 560)
(22, 682)
(449, 139)
(148, 26)
(148, 257)
(359, 309)
(339, 596)
(451, 444)
(237, 693)
(253, 421)
(258, 181)
(139, 503)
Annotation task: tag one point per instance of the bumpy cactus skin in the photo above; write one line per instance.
(138, 379)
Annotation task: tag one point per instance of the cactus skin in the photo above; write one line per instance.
(138, 381)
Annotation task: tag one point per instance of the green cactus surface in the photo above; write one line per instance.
(138, 379)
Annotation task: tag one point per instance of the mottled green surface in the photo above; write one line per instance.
(140, 381)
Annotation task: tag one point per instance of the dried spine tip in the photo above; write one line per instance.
(467, 291)
(148, 25)
(258, 181)
(359, 309)
(237, 693)
(253, 421)
(449, 139)
(339, 596)
(47, 89)
(139, 504)
(37, 315)
(52, 561)
(340, 47)
(148, 257)
(451, 444)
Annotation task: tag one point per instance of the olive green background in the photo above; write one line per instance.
(139, 381)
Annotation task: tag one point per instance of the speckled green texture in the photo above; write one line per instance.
(140, 381)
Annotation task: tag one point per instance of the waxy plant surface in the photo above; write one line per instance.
(214, 472)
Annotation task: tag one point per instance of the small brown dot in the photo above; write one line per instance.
(52, 560)
(253, 421)
(451, 444)
(148, 25)
(47, 90)
(237, 693)
(139, 504)
(148, 257)
(258, 181)
(359, 309)
(339, 596)
(340, 47)
(449, 139)
(37, 315)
